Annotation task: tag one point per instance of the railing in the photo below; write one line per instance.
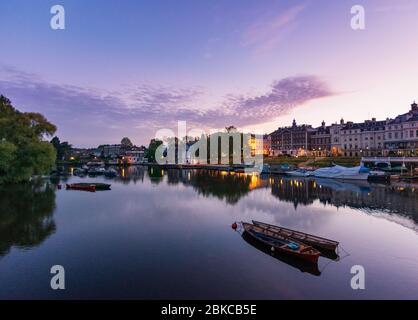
(390, 159)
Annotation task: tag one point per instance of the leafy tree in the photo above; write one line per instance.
(62, 148)
(152, 148)
(23, 152)
(7, 155)
(126, 142)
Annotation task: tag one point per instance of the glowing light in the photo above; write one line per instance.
(254, 182)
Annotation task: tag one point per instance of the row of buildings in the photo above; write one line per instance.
(116, 153)
(390, 137)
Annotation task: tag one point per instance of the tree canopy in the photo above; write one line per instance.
(126, 142)
(23, 152)
(62, 148)
(152, 148)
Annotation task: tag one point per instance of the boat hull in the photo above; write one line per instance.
(326, 246)
(303, 252)
(89, 188)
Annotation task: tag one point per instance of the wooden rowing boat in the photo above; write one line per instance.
(90, 188)
(282, 244)
(309, 239)
(294, 262)
(98, 186)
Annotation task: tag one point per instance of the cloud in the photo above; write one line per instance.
(283, 96)
(268, 31)
(88, 114)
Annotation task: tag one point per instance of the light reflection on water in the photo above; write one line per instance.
(166, 234)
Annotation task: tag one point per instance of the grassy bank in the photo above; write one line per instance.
(314, 162)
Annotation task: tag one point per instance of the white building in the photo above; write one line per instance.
(362, 139)
(401, 134)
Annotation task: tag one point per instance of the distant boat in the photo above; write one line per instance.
(299, 173)
(96, 170)
(96, 164)
(89, 186)
(323, 244)
(282, 244)
(286, 167)
(86, 187)
(379, 176)
(344, 173)
(110, 173)
(79, 172)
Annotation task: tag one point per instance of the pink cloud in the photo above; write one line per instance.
(266, 33)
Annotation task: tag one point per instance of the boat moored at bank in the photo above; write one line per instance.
(343, 173)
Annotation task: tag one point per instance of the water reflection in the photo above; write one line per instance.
(231, 187)
(169, 230)
(396, 199)
(26, 215)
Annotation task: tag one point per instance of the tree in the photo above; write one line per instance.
(152, 148)
(62, 148)
(126, 143)
(231, 129)
(23, 152)
(7, 155)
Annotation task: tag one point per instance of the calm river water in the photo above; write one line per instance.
(167, 234)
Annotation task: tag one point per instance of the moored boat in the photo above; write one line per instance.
(97, 186)
(309, 239)
(344, 173)
(96, 171)
(379, 176)
(282, 244)
(303, 266)
(87, 187)
(110, 173)
(299, 173)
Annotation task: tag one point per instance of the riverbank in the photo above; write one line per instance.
(319, 162)
(296, 161)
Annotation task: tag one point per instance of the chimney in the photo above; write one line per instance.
(342, 121)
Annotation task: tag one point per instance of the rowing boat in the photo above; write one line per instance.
(98, 186)
(294, 262)
(90, 188)
(282, 244)
(309, 239)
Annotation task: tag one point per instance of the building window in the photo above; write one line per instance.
(411, 134)
(390, 135)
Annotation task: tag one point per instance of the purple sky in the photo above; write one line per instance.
(129, 68)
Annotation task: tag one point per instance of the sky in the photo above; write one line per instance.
(132, 67)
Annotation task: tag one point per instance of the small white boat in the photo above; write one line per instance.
(299, 173)
(95, 164)
(344, 173)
